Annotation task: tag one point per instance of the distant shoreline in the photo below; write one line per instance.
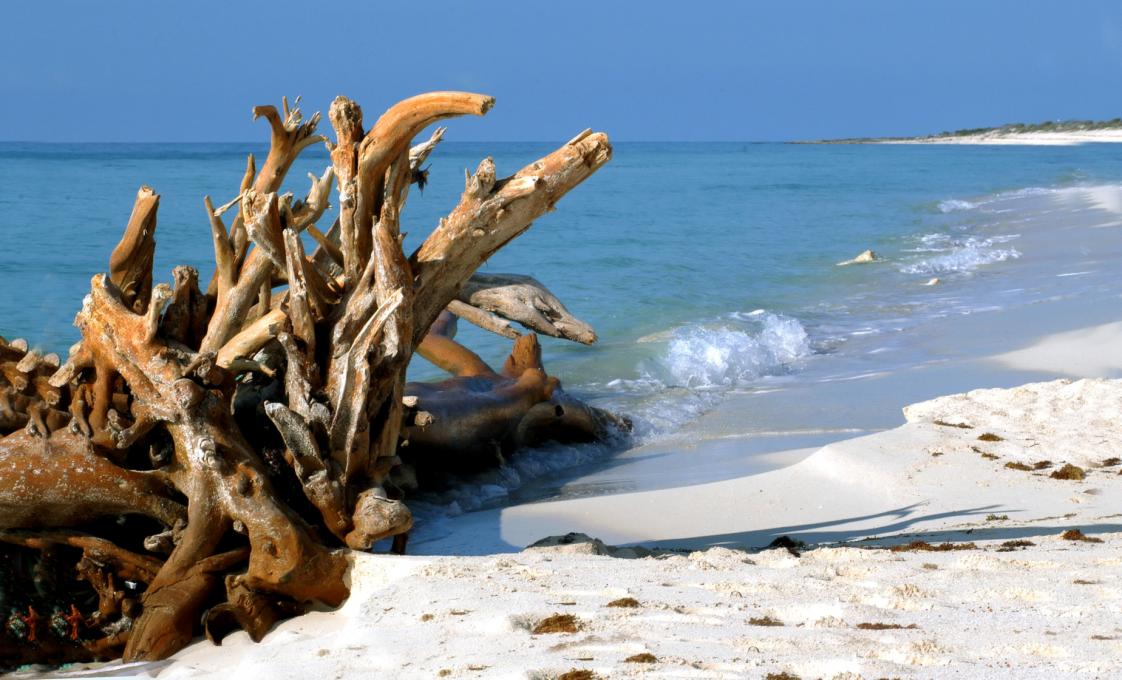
(1043, 134)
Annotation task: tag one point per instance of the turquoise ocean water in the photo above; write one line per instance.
(705, 268)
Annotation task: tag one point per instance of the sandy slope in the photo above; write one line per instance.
(1085, 352)
(921, 477)
(1047, 609)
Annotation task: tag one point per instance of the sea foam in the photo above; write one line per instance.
(683, 380)
(740, 349)
(955, 205)
(960, 255)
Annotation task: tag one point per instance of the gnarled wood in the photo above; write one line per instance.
(390, 138)
(289, 136)
(130, 265)
(247, 436)
(491, 213)
(524, 300)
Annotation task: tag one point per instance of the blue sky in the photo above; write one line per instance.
(191, 71)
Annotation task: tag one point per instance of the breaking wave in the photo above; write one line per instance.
(959, 254)
(737, 350)
(955, 205)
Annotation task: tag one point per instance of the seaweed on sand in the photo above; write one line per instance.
(558, 623)
(1069, 472)
(924, 546)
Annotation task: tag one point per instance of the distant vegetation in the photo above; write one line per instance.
(1009, 129)
(1046, 126)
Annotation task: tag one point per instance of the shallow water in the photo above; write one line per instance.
(705, 268)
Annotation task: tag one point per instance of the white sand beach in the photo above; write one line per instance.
(1002, 499)
(999, 137)
(993, 590)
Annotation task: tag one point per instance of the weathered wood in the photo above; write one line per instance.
(389, 139)
(186, 317)
(130, 265)
(482, 318)
(300, 313)
(319, 482)
(60, 481)
(523, 405)
(491, 213)
(262, 218)
(216, 466)
(524, 300)
(346, 117)
(249, 434)
(251, 338)
(290, 136)
(307, 212)
(440, 349)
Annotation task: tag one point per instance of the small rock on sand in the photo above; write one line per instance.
(583, 544)
(572, 543)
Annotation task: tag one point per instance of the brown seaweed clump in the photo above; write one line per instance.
(1069, 471)
(962, 426)
(886, 626)
(990, 437)
(558, 623)
(642, 657)
(625, 602)
(924, 546)
(1077, 535)
(764, 621)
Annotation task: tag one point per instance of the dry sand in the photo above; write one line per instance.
(1085, 352)
(920, 477)
(1020, 138)
(1049, 610)
(846, 607)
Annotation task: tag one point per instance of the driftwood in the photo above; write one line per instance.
(202, 459)
(523, 300)
(478, 417)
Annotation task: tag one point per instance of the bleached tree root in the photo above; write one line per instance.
(203, 460)
(479, 417)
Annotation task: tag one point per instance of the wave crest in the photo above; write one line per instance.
(960, 255)
(743, 348)
(955, 205)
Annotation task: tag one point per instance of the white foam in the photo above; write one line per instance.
(955, 205)
(1031, 191)
(1108, 198)
(699, 362)
(961, 255)
(730, 354)
(984, 203)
